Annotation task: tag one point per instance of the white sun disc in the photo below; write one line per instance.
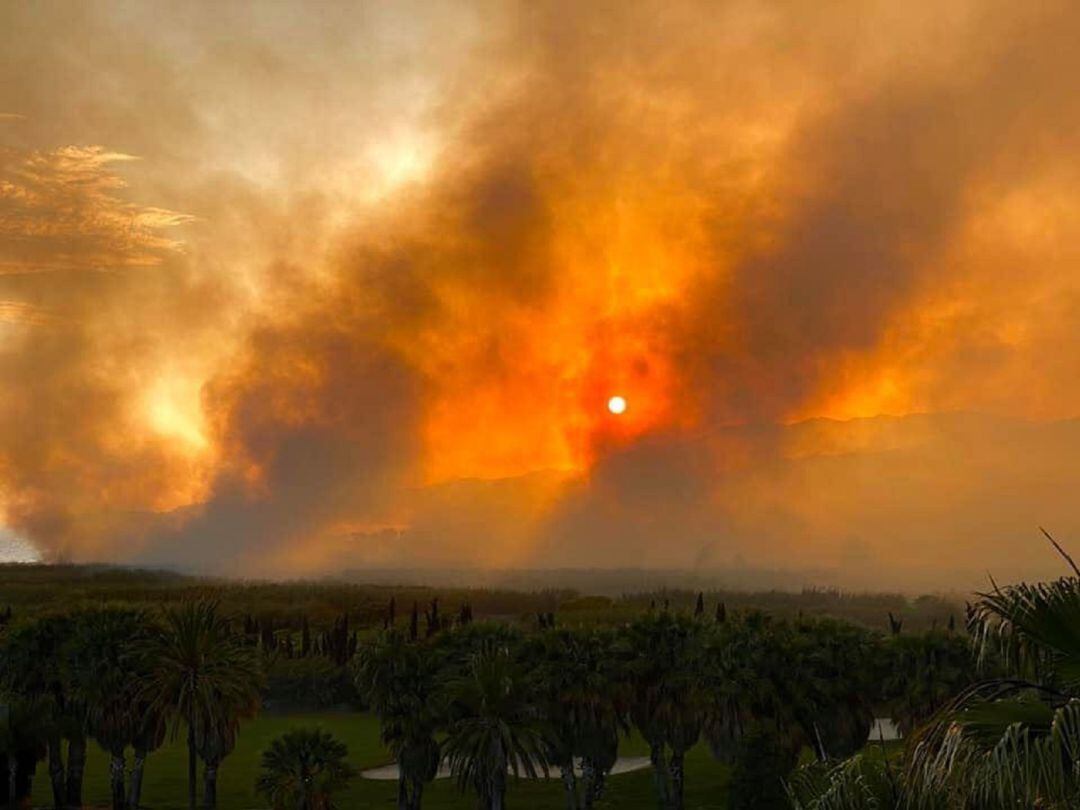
(616, 405)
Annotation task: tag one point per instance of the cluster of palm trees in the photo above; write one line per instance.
(490, 700)
(125, 680)
(487, 700)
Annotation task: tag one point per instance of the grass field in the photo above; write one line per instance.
(165, 786)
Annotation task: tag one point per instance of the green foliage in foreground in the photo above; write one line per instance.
(1012, 741)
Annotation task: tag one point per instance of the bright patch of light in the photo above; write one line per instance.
(173, 410)
(616, 405)
(14, 549)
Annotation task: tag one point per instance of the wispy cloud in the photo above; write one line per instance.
(61, 210)
(20, 312)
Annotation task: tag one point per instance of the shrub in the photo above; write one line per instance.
(302, 769)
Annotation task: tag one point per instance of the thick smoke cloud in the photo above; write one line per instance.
(365, 293)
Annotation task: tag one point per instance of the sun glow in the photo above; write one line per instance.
(617, 405)
(173, 411)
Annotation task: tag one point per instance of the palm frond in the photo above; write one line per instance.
(862, 782)
(1033, 627)
(1003, 753)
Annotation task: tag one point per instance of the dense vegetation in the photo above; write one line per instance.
(1011, 740)
(37, 589)
(553, 686)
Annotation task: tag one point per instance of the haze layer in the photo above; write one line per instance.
(290, 288)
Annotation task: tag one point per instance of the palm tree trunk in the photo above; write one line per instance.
(116, 779)
(675, 773)
(594, 782)
(56, 770)
(210, 785)
(135, 787)
(660, 774)
(75, 766)
(403, 802)
(13, 778)
(192, 775)
(417, 795)
(570, 784)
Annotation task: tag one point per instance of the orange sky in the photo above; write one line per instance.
(285, 290)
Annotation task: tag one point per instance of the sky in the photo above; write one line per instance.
(290, 289)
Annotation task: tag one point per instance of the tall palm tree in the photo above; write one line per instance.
(215, 739)
(401, 680)
(302, 769)
(556, 658)
(37, 658)
(203, 676)
(149, 736)
(22, 745)
(580, 701)
(663, 656)
(108, 660)
(837, 668)
(494, 725)
(762, 686)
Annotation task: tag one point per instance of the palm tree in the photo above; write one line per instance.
(762, 684)
(494, 725)
(925, 673)
(215, 739)
(149, 736)
(203, 677)
(22, 745)
(37, 670)
(1013, 740)
(556, 659)
(837, 669)
(302, 769)
(663, 656)
(400, 681)
(580, 701)
(108, 660)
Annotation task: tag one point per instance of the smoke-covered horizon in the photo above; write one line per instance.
(291, 290)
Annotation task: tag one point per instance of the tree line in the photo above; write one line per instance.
(489, 700)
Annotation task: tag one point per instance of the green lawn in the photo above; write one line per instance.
(165, 786)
